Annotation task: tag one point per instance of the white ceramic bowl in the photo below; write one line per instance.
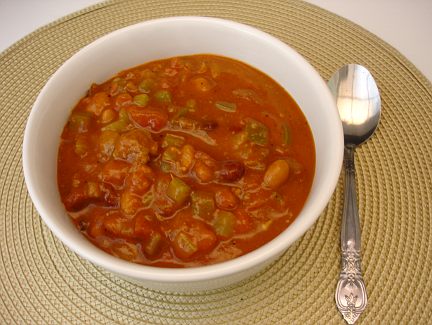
(157, 39)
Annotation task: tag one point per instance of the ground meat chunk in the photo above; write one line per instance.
(135, 146)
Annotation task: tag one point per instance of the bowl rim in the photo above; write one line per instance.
(190, 274)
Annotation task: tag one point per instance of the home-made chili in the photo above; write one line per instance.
(185, 161)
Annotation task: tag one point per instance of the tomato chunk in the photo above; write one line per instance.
(98, 102)
(148, 117)
(117, 225)
(225, 199)
(194, 237)
(114, 172)
(140, 181)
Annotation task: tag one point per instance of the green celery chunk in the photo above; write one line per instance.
(178, 190)
(165, 167)
(141, 99)
(80, 121)
(226, 106)
(118, 86)
(163, 96)
(182, 112)
(120, 124)
(171, 154)
(286, 135)
(185, 244)
(257, 132)
(153, 244)
(202, 204)
(223, 223)
(172, 140)
(146, 86)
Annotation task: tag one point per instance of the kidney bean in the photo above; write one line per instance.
(230, 171)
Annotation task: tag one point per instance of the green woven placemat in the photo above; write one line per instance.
(41, 281)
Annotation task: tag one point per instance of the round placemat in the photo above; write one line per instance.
(41, 281)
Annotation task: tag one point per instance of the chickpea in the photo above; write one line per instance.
(107, 116)
(276, 174)
(131, 87)
(226, 199)
(203, 172)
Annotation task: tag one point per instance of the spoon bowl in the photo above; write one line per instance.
(358, 101)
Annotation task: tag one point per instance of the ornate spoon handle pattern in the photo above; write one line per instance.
(351, 297)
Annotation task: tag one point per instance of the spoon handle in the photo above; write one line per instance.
(351, 298)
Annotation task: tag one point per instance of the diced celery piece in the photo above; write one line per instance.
(178, 190)
(223, 223)
(286, 134)
(146, 85)
(80, 121)
(202, 204)
(117, 86)
(185, 245)
(141, 99)
(226, 106)
(257, 132)
(123, 115)
(171, 154)
(163, 96)
(172, 140)
(165, 167)
(120, 124)
(153, 244)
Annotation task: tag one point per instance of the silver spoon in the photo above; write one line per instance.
(359, 104)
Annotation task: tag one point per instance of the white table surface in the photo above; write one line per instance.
(404, 24)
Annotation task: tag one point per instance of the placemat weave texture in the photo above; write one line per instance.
(41, 281)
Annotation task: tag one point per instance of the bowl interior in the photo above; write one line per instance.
(163, 38)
